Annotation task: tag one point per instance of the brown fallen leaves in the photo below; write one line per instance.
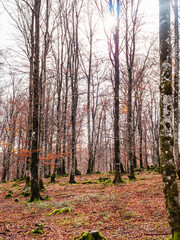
(133, 210)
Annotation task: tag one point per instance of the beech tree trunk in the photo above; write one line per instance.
(65, 119)
(176, 88)
(74, 84)
(35, 191)
(130, 39)
(90, 154)
(168, 170)
(59, 70)
(117, 178)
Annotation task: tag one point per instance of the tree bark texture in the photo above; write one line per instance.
(35, 191)
(168, 170)
(74, 86)
(176, 87)
(117, 178)
(130, 53)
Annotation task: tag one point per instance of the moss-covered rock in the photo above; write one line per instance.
(26, 192)
(8, 195)
(38, 230)
(15, 185)
(93, 235)
(21, 179)
(104, 179)
(46, 197)
(89, 182)
(60, 211)
(154, 168)
(63, 175)
(64, 210)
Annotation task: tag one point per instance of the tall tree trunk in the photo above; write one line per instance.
(145, 148)
(43, 116)
(134, 138)
(117, 178)
(58, 166)
(41, 125)
(176, 88)
(46, 134)
(168, 170)
(130, 55)
(3, 179)
(90, 165)
(129, 124)
(74, 86)
(30, 113)
(140, 134)
(50, 148)
(35, 191)
(19, 151)
(65, 124)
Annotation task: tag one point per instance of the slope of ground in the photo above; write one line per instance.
(133, 210)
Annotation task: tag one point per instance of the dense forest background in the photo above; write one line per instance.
(76, 66)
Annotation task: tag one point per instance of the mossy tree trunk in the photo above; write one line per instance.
(35, 190)
(168, 170)
(176, 87)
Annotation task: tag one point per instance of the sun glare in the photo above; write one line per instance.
(109, 23)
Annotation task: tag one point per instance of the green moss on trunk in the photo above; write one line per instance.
(176, 236)
(170, 187)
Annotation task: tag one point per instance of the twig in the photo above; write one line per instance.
(152, 234)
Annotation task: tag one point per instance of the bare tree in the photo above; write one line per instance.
(130, 42)
(74, 67)
(117, 178)
(35, 190)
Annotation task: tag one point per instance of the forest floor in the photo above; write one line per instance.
(133, 210)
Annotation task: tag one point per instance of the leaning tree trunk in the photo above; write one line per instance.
(168, 170)
(35, 191)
